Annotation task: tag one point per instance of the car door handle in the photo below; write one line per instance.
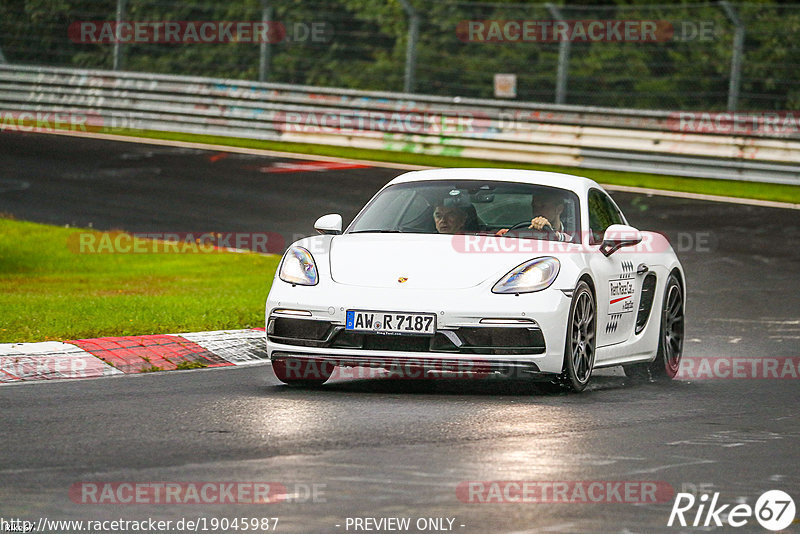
(642, 269)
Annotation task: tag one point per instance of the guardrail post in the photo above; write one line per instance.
(738, 52)
(563, 59)
(266, 52)
(411, 46)
(2, 57)
(118, 49)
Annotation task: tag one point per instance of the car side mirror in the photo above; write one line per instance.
(617, 236)
(329, 224)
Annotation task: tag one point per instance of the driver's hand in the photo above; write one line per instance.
(539, 222)
(502, 231)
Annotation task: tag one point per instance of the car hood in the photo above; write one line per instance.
(425, 261)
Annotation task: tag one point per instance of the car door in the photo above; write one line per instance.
(618, 286)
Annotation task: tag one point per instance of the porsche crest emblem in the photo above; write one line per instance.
(402, 279)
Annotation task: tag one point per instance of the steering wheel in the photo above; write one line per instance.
(546, 230)
(519, 225)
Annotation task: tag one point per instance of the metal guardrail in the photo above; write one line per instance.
(599, 138)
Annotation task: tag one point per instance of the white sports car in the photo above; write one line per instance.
(478, 271)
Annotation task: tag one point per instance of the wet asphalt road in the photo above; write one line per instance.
(377, 448)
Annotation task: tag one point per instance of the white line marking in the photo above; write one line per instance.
(240, 150)
(406, 166)
(701, 196)
(698, 461)
(13, 185)
(756, 321)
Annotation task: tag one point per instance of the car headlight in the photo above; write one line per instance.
(298, 267)
(533, 275)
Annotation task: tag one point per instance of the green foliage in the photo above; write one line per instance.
(367, 48)
(185, 365)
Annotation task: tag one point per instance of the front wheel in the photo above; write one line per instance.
(302, 373)
(670, 338)
(580, 344)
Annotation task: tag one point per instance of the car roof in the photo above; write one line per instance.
(577, 184)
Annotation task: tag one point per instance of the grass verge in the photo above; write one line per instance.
(52, 293)
(708, 186)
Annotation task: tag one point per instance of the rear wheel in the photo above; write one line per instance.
(302, 373)
(580, 344)
(670, 338)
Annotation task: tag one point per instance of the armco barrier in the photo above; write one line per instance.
(614, 139)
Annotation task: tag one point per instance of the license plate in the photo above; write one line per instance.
(391, 322)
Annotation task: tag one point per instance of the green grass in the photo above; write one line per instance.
(184, 365)
(731, 188)
(50, 292)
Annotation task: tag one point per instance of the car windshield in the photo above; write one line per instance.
(469, 207)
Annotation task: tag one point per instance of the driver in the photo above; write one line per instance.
(547, 208)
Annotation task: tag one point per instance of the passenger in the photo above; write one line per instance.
(449, 219)
(547, 208)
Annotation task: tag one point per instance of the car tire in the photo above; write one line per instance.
(670, 338)
(302, 373)
(579, 347)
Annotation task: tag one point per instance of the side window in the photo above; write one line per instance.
(384, 210)
(602, 214)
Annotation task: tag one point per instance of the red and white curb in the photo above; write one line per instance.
(106, 356)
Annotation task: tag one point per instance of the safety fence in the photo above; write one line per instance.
(698, 55)
(725, 145)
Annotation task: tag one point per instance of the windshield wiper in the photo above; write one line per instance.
(375, 232)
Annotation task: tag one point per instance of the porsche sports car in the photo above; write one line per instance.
(479, 271)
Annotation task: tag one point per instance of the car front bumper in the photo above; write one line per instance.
(475, 329)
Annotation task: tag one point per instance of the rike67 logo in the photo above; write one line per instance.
(774, 510)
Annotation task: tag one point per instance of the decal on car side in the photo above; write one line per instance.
(613, 321)
(621, 296)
